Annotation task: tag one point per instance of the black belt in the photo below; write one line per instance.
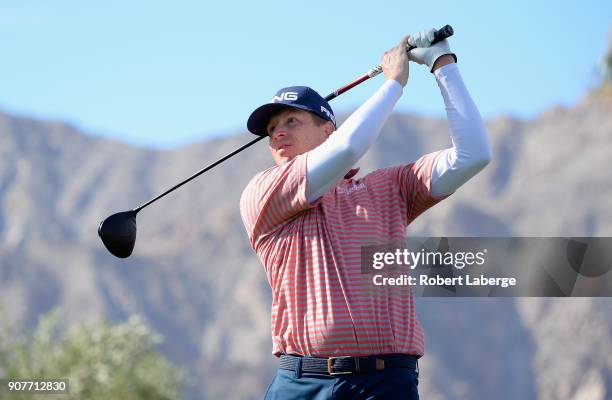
(347, 365)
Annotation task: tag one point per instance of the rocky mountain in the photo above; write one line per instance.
(195, 280)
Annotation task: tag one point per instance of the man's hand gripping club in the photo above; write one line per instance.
(426, 53)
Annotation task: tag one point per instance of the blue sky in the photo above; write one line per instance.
(165, 74)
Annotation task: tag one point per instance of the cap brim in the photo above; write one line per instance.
(258, 121)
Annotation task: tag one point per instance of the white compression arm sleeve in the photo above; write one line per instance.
(471, 150)
(330, 161)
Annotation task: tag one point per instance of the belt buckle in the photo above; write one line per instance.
(330, 366)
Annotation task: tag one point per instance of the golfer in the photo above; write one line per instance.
(307, 219)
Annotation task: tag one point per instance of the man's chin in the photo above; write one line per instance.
(283, 159)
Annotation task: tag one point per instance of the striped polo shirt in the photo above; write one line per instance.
(322, 303)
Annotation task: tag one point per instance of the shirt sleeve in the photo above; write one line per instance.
(414, 184)
(273, 197)
(471, 150)
(330, 161)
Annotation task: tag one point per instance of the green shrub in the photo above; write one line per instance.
(100, 360)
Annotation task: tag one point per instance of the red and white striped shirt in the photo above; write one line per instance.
(322, 304)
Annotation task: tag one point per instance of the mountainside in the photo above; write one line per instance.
(195, 280)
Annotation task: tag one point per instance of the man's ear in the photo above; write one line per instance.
(329, 128)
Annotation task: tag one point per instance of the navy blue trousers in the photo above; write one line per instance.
(390, 384)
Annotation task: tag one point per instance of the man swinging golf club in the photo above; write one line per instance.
(307, 219)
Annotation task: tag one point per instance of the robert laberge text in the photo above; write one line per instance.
(425, 280)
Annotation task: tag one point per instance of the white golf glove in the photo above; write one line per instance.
(424, 53)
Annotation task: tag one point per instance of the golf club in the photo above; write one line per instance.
(118, 231)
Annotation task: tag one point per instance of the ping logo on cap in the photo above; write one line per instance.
(329, 115)
(285, 96)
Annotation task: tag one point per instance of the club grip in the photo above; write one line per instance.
(441, 34)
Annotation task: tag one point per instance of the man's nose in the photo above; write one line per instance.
(278, 134)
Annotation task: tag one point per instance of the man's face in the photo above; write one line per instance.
(293, 132)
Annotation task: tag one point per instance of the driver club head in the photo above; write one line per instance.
(118, 233)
